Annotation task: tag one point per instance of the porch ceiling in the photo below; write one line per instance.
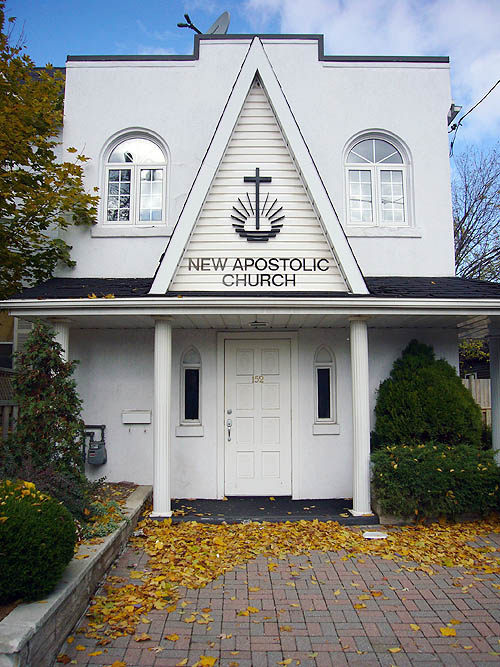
(464, 324)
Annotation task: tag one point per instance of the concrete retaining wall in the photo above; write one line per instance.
(31, 634)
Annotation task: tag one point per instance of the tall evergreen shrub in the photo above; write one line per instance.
(45, 447)
(424, 400)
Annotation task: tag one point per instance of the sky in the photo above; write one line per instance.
(466, 30)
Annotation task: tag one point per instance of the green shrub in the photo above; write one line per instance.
(37, 541)
(424, 400)
(45, 448)
(433, 480)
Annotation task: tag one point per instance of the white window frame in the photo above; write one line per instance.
(375, 169)
(135, 194)
(185, 366)
(134, 226)
(321, 422)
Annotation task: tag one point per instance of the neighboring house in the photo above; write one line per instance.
(275, 227)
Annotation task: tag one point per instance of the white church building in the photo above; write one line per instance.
(274, 228)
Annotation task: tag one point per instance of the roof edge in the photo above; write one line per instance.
(319, 38)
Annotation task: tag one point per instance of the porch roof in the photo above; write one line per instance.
(470, 306)
(389, 287)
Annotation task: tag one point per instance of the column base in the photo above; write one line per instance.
(355, 513)
(160, 515)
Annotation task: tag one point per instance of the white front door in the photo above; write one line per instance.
(258, 452)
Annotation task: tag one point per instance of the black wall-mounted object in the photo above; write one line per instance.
(96, 451)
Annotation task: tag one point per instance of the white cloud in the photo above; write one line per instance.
(466, 31)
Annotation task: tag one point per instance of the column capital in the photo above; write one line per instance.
(359, 318)
(162, 318)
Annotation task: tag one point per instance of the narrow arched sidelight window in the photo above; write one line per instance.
(190, 387)
(376, 183)
(135, 183)
(324, 385)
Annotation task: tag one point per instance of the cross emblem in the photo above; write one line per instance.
(257, 179)
(246, 213)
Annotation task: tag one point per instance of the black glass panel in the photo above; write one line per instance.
(192, 393)
(323, 393)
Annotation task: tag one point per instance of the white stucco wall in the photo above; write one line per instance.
(116, 374)
(181, 103)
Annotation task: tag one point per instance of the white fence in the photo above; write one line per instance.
(481, 392)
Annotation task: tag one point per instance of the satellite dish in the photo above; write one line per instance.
(220, 26)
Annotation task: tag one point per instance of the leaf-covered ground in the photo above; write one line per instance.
(191, 555)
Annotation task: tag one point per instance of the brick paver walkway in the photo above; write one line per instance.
(307, 613)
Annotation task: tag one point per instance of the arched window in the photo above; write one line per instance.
(376, 184)
(324, 386)
(190, 387)
(135, 183)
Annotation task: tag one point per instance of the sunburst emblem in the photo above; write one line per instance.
(253, 221)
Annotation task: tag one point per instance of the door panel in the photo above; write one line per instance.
(257, 405)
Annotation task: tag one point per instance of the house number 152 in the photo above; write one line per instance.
(257, 378)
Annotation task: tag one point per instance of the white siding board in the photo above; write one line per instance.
(257, 141)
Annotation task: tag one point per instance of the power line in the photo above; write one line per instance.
(454, 128)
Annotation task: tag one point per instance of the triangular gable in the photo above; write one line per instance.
(191, 261)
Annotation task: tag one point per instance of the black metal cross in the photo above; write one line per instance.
(257, 179)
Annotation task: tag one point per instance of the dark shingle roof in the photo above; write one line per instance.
(432, 288)
(381, 287)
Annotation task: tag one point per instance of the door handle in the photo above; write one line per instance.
(229, 423)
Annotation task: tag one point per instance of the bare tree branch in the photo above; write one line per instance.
(476, 214)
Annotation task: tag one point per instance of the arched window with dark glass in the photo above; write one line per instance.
(324, 386)
(190, 387)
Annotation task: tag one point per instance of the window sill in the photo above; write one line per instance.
(384, 232)
(326, 429)
(130, 230)
(189, 431)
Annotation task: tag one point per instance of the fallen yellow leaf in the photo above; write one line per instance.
(448, 632)
(205, 661)
(173, 637)
(415, 627)
(396, 649)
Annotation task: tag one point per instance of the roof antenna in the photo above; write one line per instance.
(219, 27)
(189, 24)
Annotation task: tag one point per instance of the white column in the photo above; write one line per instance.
(360, 417)
(494, 345)
(161, 418)
(61, 327)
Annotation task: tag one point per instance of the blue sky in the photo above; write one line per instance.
(466, 30)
